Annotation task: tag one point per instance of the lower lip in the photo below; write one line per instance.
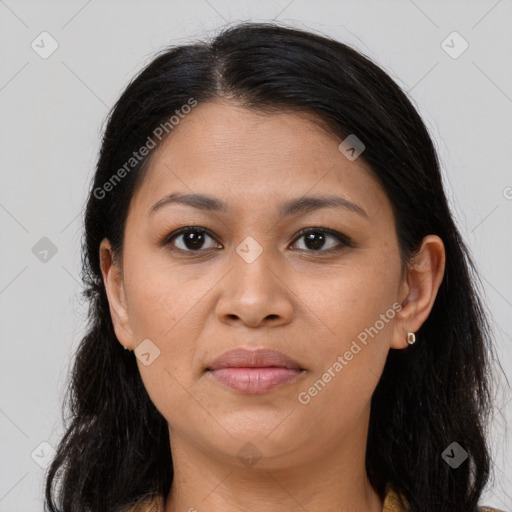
(255, 380)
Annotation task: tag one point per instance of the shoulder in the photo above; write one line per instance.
(146, 504)
(395, 502)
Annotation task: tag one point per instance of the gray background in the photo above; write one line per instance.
(52, 114)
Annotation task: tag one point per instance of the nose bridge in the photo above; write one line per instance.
(255, 291)
(253, 265)
(250, 249)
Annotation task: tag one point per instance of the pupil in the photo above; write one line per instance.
(310, 240)
(194, 240)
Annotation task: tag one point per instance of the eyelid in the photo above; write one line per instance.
(181, 231)
(343, 239)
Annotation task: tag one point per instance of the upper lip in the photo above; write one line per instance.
(256, 358)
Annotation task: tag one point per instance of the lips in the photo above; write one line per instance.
(254, 371)
(259, 358)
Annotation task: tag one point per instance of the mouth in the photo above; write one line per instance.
(254, 371)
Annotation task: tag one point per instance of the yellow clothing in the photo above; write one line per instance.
(392, 503)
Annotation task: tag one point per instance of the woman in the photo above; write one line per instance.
(283, 314)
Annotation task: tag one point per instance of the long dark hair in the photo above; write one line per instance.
(116, 446)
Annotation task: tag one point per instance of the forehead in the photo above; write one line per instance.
(224, 131)
(246, 156)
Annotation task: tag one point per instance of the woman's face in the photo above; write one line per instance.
(253, 281)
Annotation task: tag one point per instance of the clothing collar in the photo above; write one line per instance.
(393, 502)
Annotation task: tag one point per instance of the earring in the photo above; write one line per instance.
(128, 349)
(411, 338)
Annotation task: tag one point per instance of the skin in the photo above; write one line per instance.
(293, 298)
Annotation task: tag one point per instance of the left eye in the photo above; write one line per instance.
(315, 238)
(192, 239)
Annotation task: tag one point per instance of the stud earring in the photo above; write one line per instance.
(411, 338)
(128, 349)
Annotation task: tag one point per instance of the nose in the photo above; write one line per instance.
(255, 294)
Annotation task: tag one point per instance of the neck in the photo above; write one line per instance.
(332, 481)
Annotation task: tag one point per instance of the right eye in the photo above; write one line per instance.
(191, 239)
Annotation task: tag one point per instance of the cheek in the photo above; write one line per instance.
(159, 300)
(169, 306)
(347, 302)
(355, 316)
(162, 311)
(351, 355)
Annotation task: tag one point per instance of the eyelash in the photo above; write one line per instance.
(344, 240)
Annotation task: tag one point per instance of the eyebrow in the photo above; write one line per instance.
(297, 206)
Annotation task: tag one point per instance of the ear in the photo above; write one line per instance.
(114, 285)
(419, 289)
